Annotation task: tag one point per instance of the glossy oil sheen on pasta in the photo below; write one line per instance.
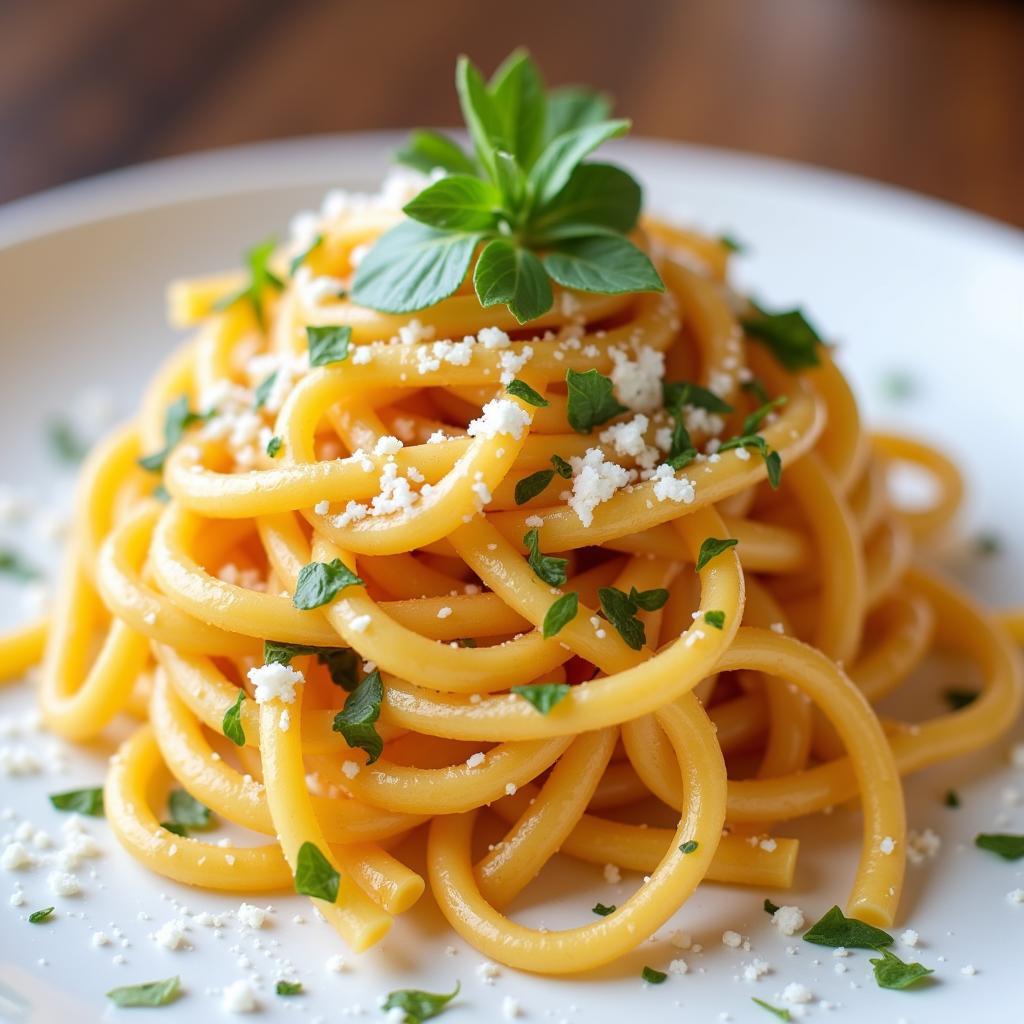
(164, 606)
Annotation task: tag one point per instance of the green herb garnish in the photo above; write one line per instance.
(525, 195)
(174, 828)
(150, 993)
(836, 929)
(551, 570)
(543, 696)
(772, 459)
(231, 724)
(653, 977)
(419, 1006)
(39, 916)
(711, 548)
(892, 972)
(532, 485)
(690, 846)
(591, 400)
(958, 697)
(342, 662)
(562, 468)
(1003, 844)
(521, 390)
(952, 798)
(356, 720)
(301, 258)
(769, 907)
(288, 988)
(620, 610)
(12, 564)
(677, 394)
(752, 423)
(80, 801)
(261, 278)
(715, 619)
(779, 1012)
(315, 875)
(186, 810)
(274, 446)
(562, 611)
(602, 911)
(263, 389)
(328, 344)
(730, 243)
(65, 443)
(788, 335)
(320, 582)
(177, 420)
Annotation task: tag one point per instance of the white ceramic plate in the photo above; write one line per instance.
(908, 286)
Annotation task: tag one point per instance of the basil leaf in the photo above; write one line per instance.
(39, 916)
(64, 443)
(320, 582)
(507, 273)
(261, 278)
(561, 612)
(550, 570)
(274, 446)
(457, 203)
(419, 1006)
(188, 811)
(836, 929)
(301, 258)
(479, 113)
(591, 400)
(525, 393)
(753, 422)
(518, 93)
(958, 697)
(653, 977)
(712, 547)
(328, 344)
(690, 846)
(649, 600)
(602, 911)
(772, 459)
(81, 801)
(770, 908)
(563, 153)
(174, 828)
(426, 151)
(715, 619)
(676, 394)
(413, 266)
(596, 195)
(231, 724)
(263, 389)
(342, 662)
(781, 1013)
(789, 337)
(892, 972)
(12, 564)
(608, 264)
(575, 107)
(532, 485)
(315, 875)
(543, 696)
(1003, 844)
(150, 993)
(356, 720)
(620, 611)
(288, 988)
(562, 468)
(177, 420)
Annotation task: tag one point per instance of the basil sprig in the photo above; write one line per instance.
(418, 1005)
(178, 418)
(543, 696)
(356, 721)
(261, 279)
(525, 206)
(892, 972)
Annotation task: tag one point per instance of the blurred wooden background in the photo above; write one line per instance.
(928, 94)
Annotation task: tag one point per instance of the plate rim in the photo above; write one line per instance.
(303, 160)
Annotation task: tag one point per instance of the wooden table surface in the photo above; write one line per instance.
(927, 94)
